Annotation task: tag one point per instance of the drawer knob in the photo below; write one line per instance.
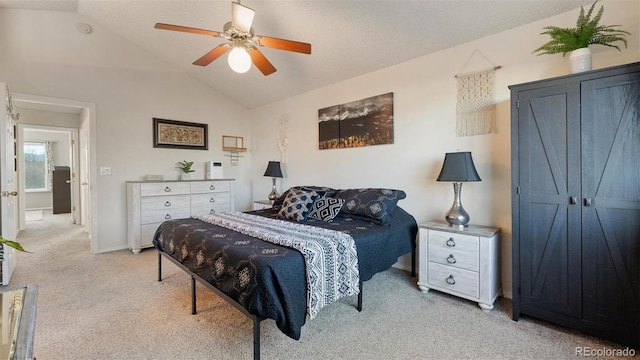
(167, 204)
(212, 200)
(451, 243)
(212, 187)
(167, 217)
(451, 259)
(450, 280)
(212, 211)
(167, 189)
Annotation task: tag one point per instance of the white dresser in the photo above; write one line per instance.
(460, 262)
(149, 203)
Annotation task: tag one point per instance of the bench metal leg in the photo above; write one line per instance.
(193, 295)
(256, 338)
(159, 266)
(360, 296)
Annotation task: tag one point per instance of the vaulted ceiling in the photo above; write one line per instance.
(349, 38)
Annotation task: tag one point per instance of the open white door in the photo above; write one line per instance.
(8, 177)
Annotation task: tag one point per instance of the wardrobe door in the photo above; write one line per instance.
(611, 205)
(549, 213)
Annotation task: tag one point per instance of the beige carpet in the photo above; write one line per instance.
(110, 306)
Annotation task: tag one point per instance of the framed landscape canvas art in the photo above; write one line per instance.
(179, 134)
(359, 123)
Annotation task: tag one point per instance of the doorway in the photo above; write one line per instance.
(47, 166)
(77, 120)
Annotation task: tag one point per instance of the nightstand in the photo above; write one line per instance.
(461, 262)
(262, 204)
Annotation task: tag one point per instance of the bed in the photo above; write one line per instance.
(265, 279)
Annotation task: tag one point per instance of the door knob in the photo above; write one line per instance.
(9, 193)
(68, 181)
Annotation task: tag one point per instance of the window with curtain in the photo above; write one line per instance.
(36, 167)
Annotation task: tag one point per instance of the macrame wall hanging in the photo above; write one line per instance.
(476, 109)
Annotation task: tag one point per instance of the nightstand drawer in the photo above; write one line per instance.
(460, 242)
(452, 279)
(455, 258)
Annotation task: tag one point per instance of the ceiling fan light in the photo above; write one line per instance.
(239, 60)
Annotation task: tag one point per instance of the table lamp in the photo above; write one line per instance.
(458, 167)
(274, 171)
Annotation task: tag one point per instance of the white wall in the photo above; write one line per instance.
(44, 55)
(424, 116)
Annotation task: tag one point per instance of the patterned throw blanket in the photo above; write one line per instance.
(330, 256)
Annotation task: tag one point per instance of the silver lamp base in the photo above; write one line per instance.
(274, 193)
(457, 217)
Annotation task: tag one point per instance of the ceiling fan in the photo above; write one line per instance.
(242, 42)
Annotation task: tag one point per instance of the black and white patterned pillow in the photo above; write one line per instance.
(297, 205)
(326, 209)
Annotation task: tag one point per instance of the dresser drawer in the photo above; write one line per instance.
(198, 187)
(168, 188)
(211, 199)
(148, 231)
(453, 279)
(158, 216)
(164, 202)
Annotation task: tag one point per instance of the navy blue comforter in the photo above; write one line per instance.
(269, 280)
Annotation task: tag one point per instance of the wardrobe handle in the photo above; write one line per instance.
(212, 200)
(167, 217)
(167, 204)
(450, 280)
(573, 200)
(451, 243)
(451, 259)
(212, 211)
(587, 202)
(167, 189)
(212, 187)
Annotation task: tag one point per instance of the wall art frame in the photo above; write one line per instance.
(176, 134)
(360, 123)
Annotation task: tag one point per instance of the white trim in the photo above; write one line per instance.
(90, 110)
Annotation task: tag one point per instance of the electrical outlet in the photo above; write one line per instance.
(105, 170)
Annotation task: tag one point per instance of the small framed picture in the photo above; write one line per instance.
(179, 134)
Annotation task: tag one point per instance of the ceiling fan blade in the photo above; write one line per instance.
(261, 62)
(241, 17)
(187, 29)
(282, 44)
(212, 55)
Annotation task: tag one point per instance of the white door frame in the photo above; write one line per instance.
(88, 120)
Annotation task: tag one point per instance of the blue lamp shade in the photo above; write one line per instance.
(458, 167)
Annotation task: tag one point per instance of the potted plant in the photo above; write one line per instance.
(576, 40)
(185, 166)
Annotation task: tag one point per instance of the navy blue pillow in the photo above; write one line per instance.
(374, 204)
